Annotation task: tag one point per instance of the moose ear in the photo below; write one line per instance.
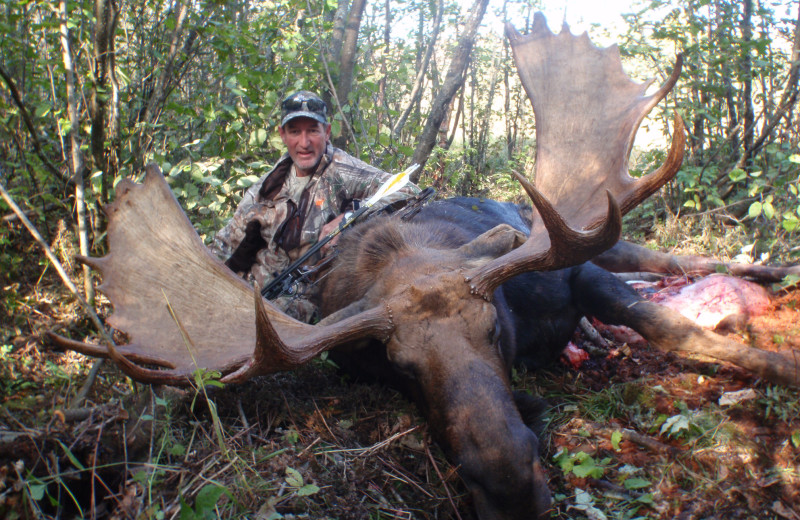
(493, 243)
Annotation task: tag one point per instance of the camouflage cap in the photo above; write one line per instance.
(304, 104)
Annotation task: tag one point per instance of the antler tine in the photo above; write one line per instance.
(272, 354)
(100, 351)
(640, 189)
(566, 246)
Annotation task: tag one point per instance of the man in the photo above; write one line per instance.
(300, 200)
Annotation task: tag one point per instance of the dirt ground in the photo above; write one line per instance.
(632, 433)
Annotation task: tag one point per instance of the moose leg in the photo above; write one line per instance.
(626, 257)
(601, 294)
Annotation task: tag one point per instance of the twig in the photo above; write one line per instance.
(615, 490)
(77, 414)
(87, 385)
(325, 422)
(70, 285)
(13, 216)
(635, 437)
(365, 452)
(442, 480)
(244, 421)
(398, 473)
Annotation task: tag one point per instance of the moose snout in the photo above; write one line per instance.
(496, 452)
(512, 486)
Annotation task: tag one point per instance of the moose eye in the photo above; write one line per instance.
(405, 369)
(401, 366)
(494, 333)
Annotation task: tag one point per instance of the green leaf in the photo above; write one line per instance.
(646, 499)
(177, 450)
(42, 109)
(207, 498)
(564, 460)
(37, 491)
(755, 209)
(294, 478)
(308, 489)
(187, 513)
(616, 437)
(72, 458)
(257, 137)
(737, 175)
(796, 439)
(247, 181)
(587, 466)
(636, 483)
(768, 209)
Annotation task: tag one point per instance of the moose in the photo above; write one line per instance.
(446, 302)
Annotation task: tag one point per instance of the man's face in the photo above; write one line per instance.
(305, 140)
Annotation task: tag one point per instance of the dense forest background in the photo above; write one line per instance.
(92, 90)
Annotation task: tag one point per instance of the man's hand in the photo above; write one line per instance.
(326, 230)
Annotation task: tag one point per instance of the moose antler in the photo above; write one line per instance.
(183, 309)
(587, 113)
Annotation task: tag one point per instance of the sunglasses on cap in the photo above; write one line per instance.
(304, 104)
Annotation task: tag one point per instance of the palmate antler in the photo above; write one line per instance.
(157, 262)
(587, 114)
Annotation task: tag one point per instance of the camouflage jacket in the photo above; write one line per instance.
(338, 181)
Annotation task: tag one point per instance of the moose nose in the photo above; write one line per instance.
(518, 491)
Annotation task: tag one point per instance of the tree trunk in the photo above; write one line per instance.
(28, 122)
(453, 81)
(746, 72)
(337, 33)
(75, 156)
(788, 98)
(387, 34)
(459, 113)
(347, 60)
(483, 134)
(507, 89)
(106, 16)
(416, 91)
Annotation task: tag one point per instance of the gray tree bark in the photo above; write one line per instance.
(454, 80)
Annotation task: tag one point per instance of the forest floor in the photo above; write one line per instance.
(632, 433)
